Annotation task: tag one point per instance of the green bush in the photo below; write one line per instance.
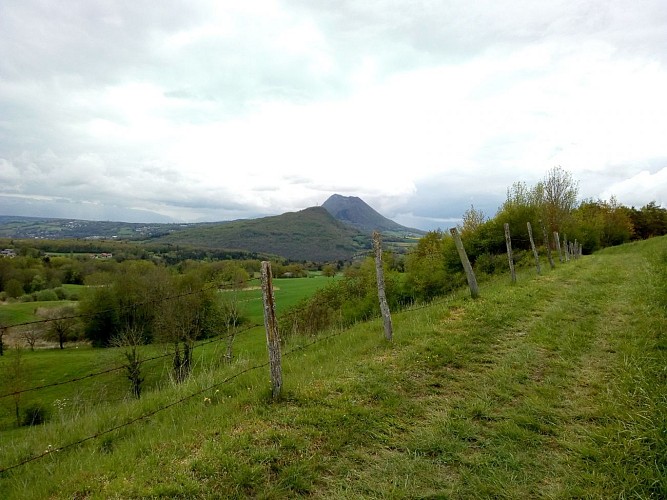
(34, 414)
(488, 263)
(47, 296)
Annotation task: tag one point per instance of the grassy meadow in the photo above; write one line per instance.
(554, 387)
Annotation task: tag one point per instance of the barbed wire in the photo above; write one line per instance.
(166, 407)
(131, 421)
(121, 367)
(189, 396)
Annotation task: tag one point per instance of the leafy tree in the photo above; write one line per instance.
(328, 270)
(427, 274)
(652, 220)
(128, 298)
(102, 318)
(193, 312)
(14, 288)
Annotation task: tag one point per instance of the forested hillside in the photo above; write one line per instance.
(310, 234)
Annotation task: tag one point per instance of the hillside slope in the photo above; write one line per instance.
(355, 212)
(310, 234)
(550, 388)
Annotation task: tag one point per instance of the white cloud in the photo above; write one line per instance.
(640, 189)
(209, 110)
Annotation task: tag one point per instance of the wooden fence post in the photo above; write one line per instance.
(566, 248)
(271, 325)
(510, 257)
(532, 246)
(557, 242)
(379, 272)
(3, 331)
(548, 245)
(472, 281)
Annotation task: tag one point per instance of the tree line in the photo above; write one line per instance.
(433, 267)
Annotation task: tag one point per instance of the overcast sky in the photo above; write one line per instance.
(214, 110)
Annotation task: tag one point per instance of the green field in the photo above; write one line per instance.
(287, 292)
(15, 313)
(46, 366)
(553, 387)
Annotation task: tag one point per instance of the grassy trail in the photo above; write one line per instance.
(555, 387)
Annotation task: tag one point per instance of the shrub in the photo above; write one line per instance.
(28, 297)
(34, 414)
(488, 263)
(47, 296)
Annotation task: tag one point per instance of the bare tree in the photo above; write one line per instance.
(231, 317)
(559, 197)
(13, 379)
(62, 325)
(129, 340)
(472, 219)
(31, 336)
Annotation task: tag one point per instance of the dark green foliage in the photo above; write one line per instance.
(34, 414)
(649, 221)
(345, 301)
(310, 234)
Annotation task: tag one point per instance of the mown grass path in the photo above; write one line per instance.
(555, 387)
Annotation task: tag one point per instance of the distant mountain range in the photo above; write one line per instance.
(337, 230)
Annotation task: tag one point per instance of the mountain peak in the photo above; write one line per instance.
(354, 211)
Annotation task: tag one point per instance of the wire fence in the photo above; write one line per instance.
(122, 367)
(181, 400)
(162, 408)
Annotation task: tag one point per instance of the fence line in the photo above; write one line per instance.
(117, 368)
(166, 407)
(189, 396)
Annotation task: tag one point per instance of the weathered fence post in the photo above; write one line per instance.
(566, 248)
(379, 272)
(510, 257)
(271, 325)
(3, 332)
(575, 249)
(557, 243)
(547, 244)
(532, 246)
(472, 281)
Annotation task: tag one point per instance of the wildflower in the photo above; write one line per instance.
(207, 400)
